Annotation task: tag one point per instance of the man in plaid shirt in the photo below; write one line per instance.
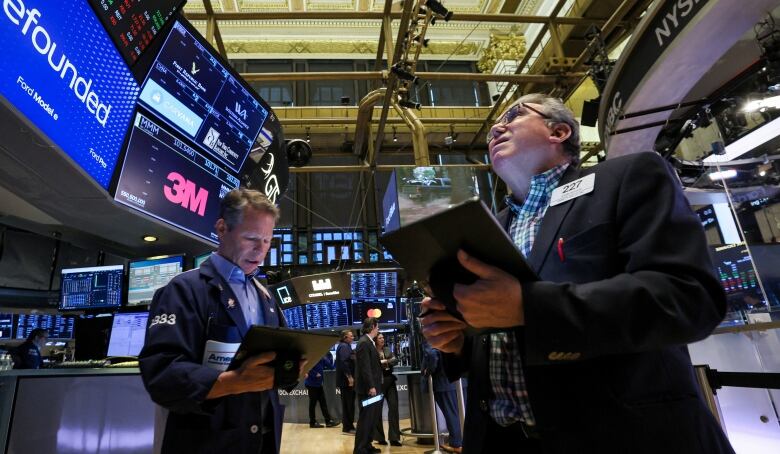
(592, 357)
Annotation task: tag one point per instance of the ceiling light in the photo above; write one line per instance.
(149, 238)
(723, 175)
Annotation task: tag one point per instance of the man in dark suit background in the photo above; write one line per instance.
(368, 383)
(345, 380)
(592, 357)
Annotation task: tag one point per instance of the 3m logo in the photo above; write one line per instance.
(322, 284)
(240, 111)
(184, 192)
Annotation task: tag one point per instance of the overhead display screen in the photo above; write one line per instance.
(169, 180)
(294, 317)
(144, 277)
(90, 288)
(6, 326)
(133, 24)
(62, 72)
(194, 93)
(374, 284)
(383, 309)
(321, 287)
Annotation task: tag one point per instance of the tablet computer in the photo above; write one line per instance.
(290, 346)
(427, 249)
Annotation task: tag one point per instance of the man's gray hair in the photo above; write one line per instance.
(232, 207)
(558, 113)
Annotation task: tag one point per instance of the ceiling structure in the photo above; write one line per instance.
(544, 39)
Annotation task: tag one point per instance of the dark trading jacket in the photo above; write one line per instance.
(194, 308)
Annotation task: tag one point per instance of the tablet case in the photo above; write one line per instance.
(290, 346)
(427, 249)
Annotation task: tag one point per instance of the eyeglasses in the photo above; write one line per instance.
(513, 113)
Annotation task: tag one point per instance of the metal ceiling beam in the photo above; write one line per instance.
(212, 29)
(382, 75)
(357, 15)
(367, 168)
(394, 120)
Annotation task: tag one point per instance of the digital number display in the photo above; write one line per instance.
(133, 24)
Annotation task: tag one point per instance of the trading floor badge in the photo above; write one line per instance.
(231, 303)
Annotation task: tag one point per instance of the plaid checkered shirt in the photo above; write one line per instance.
(510, 403)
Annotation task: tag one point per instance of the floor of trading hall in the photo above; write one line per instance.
(302, 439)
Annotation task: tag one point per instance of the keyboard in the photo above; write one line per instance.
(84, 364)
(124, 364)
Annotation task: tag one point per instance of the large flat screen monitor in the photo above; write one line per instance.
(127, 334)
(327, 314)
(91, 288)
(60, 327)
(382, 309)
(294, 317)
(92, 334)
(165, 178)
(144, 277)
(6, 326)
(63, 74)
(374, 284)
(190, 89)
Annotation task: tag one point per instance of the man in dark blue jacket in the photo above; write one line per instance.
(590, 358)
(28, 354)
(345, 380)
(314, 382)
(196, 324)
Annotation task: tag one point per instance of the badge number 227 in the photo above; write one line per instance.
(163, 319)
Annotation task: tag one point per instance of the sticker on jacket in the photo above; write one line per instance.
(218, 355)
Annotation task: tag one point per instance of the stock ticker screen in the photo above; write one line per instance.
(165, 178)
(737, 276)
(374, 284)
(133, 24)
(190, 89)
(59, 326)
(327, 314)
(294, 317)
(91, 288)
(144, 277)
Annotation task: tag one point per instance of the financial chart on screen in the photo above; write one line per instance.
(374, 284)
(144, 277)
(90, 288)
(294, 317)
(127, 334)
(58, 326)
(327, 314)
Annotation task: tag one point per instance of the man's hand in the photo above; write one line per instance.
(252, 376)
(350, 381)
(443, 331)
(372, 392)
(495, 300)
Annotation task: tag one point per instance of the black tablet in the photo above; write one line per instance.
(290, 346)
(427, 249)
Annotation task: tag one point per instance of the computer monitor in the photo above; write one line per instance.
(127, 334)
(383, 309)
(60, 327)
(327, 314)
(91, 288)
(144, 277)
(6, 326)
(91, 334)
(294, 317)
(374, 284)
(737, 276)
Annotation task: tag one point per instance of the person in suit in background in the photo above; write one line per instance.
(368, 383)
(28, 354)
(345, 380)
(591, 357)
(388, 360)
(314, 381)
(444, 394)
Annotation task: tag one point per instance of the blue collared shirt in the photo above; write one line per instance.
(243, 287)
(510, 403)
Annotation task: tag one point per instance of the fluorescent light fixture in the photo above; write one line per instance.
(723, 175)
(773, 102)
(751, 141)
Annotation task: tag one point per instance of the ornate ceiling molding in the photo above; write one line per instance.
(502, 47)
(275, 47)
